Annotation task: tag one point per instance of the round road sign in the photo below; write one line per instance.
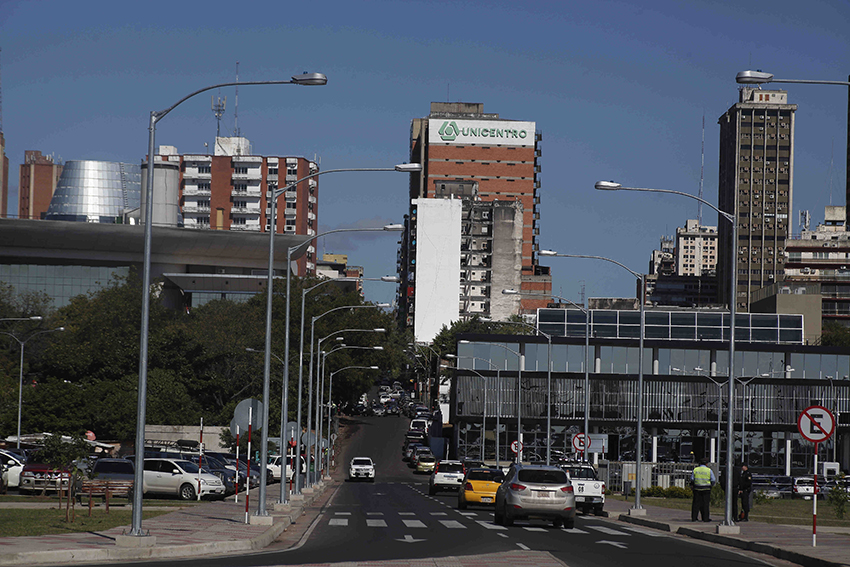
(816, 424)
(578, 442)
(516, 447)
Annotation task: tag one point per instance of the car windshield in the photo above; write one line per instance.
(539, 476)
(362, 462)
(493, 476)
(187, 466)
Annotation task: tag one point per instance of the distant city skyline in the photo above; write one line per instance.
(618, 91)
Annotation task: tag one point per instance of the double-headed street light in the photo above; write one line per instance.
(305, 79)
(733, 300)
(586, 369)
(641, 301)
(22, 344)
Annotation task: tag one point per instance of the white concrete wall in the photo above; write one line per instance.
(437, 265)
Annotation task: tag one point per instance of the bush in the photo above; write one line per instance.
(839, 497)
(653, 492)
(718, 495)
(678, 492)
(759, 497)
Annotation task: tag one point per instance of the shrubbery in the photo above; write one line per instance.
(671, 492)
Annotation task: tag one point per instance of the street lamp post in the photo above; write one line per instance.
(305, 79)
(284, 404)
(330, 404)
(642, 303)
(498, 400)
(733, 300)
(586, 366)
(308, 452)
(759, 78)
(22, 344)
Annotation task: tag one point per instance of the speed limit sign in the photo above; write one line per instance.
(516, 447)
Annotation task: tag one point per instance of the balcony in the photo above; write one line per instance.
(194, 191)
(245, 227)
(244, 211)
(290, 212)
(196, 209)
(250, 192)
(193, 173)
(272, 177)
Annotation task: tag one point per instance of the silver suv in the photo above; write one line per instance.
(536, 492)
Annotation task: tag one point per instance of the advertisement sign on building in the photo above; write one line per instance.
(480, 132)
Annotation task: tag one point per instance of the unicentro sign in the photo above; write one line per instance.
(487, 132)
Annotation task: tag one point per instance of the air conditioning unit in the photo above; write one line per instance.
(806, 270)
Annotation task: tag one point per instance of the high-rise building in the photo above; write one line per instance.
(231, 190)
(696, 249)
(39, 177)
(486, 170)
(756, 187)
(4, 176)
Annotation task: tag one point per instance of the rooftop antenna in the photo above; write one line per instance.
(1, 106)
(236, 106)
(582, 291)
(218, 110)
(701, 172)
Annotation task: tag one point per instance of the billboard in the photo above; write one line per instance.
(438, 228)
(480, 132)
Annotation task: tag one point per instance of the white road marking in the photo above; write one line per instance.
(409, 539)
(574, 531)
(414, 523)
(342, 513)
(376, 523)
(338, 522)
(502, 535)
(407, 513)
(535, 529)
(609, 531)
(468, 514)
(619, 544)
(642, 531)
(453, 524)
(374, 513)
(521, 546)
(490, 525)
(439, 514)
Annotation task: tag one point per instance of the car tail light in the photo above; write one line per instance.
(517, 487)
(603, 488)
(468, 486)
(567, 489)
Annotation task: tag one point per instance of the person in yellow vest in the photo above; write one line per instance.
(702, 479)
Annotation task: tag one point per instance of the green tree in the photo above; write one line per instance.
(835, 334)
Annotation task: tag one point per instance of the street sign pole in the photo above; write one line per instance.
(816, 424)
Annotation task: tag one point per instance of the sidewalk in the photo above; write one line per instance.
(791, 543)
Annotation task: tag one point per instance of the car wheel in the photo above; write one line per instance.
(557, 523)
(508, 520)
(461, 504)
(187, 492)
(570, 524)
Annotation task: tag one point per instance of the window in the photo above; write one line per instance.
(239, 220)
(203, 186)
(240, 203)
(240, 169)
(204, 169)
(240, 187)
(272, 171)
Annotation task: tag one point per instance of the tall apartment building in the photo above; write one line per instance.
(4, 176)
(696, 249)
(487, 170)
(232, 189)
(39, 176)
(756, 186)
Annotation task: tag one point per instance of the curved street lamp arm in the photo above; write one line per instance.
(559, 255)
(608, 186)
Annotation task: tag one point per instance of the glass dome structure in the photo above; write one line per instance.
(95, 191)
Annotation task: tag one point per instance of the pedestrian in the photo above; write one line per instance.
(745, 491)
(702, 479)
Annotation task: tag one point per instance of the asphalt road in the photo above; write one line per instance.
(395, 518)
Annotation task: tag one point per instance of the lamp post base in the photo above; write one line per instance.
(637, 511)
(257, 520)
(728, 530)
(125, 540)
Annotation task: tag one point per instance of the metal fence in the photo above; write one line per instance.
(620, 474)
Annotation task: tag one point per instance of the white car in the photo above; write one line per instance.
(11, 465)
(274, 467)
(361, 467)
(180, 478)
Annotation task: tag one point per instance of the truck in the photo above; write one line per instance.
(589, 490)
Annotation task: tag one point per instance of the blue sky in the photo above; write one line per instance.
(618, 90)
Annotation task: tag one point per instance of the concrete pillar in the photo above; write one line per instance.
(655, 360)
(787, 454)
(597, 359)
(712, 448)
(654, 433)
(712, 363)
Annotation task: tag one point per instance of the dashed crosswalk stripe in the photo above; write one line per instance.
(646, 532)
(439, 514)
(414, 523)
(454, 524)
(608, 531)
(535, 529)
(376, 523)
(407, 513)
(342, 513)
(338, 522)
(574, 531)
(469, 514)
(374, 513)
(490, 525)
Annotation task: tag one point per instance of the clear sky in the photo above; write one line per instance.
(618, 89)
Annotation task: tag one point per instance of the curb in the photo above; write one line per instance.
(113, 553)
(763, 548)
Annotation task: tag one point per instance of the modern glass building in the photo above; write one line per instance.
(95, 191)
(685, 397)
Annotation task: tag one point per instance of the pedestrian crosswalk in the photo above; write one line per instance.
(455, 520)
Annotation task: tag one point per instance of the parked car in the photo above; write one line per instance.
(418, 452)
(108, 469)
(38, 476)
(447, 475)
(804, 487)
(361, 467)
(411, 448)
(479, 487)
(214, 466)
(426, 464)
(179, 478)
(536, 492)
(11, 465)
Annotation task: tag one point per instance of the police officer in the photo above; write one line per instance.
(745, 491)
(702, 479)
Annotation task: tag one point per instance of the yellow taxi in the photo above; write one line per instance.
(479, 487)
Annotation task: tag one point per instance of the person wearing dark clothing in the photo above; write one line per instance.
(702, 479)
(745, 490)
